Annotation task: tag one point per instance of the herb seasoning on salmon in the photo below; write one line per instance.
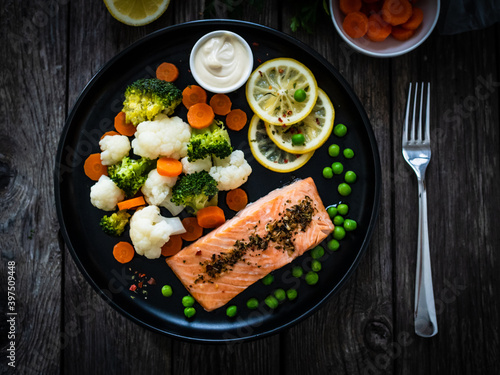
(280, 232)
(263, 237)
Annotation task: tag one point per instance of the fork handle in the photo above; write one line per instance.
(425, 310)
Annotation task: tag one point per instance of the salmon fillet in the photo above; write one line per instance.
(256, 241)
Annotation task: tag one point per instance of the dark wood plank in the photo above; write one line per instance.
(462, 182)
(94, 327)
(347, 335)
(32, 97)
(257, 357)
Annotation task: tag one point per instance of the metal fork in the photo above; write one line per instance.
(417, 153)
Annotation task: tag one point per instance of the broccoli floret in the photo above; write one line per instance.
(129, 174)
(213, 140)
(194, 190)
(147, 97)
(114, 225)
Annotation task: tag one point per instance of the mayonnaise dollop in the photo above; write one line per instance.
(221, 61)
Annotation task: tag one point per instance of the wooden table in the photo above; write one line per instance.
(50, 51)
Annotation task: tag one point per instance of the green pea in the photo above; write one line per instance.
(333, 245)
(327, 172)
(350, 177)
(343, 209)
(333, 150)
(299, 95)
(271, 302)
(312, 278)
(332, 211)
(189, 312)
(187, 301)
(252, 303)
(231, 311)
(340, 130)
(350, 225)
(268, 279)
(291, 294)
(338, 220)
(297, 271)
(348, 153)
(317, 252)
(337, 167)
(339, 233)
(280, 294)
(344, 189)
(298, 139)
(316, 265)
(166, 290)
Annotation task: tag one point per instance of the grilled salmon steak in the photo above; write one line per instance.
(264, 236)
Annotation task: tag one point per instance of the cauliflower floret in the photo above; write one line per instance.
(114, 148)
(149, 231)
(196, 166)
(231, 172)
(104, 194)
(157, 187)
(157, 190)
(164, 136)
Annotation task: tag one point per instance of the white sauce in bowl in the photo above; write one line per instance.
(221, 61)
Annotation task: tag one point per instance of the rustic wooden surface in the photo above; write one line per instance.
(49, 52)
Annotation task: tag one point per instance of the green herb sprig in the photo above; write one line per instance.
(305, 16)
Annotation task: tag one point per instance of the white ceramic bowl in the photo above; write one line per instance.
(390, 47)
(244, 74)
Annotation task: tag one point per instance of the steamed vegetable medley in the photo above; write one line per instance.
(156, 159)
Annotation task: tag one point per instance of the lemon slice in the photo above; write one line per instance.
(316, 128)
(136, 12)
(270, 91)
(268, 154)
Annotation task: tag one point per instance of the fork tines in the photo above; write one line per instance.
(414, 133)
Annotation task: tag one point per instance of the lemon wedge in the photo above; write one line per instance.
(136, 12)
(282, 91)
(315, 128)
(268, 154)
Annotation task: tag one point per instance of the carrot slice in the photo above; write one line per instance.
(396, 12)
(169, 167)
(349, 6)
(401, 34)
(210, 217)
(123, 252)
(415, 20)
(236, 119)
(378, 29)
(131, 203)
(200, 115)
(236, 199)
(111, 132)
(122, 126)
(173, 246)
(167, 72)
(93, 167)
(193, 94)
(355, 24)
(221, 104)
(193, 230)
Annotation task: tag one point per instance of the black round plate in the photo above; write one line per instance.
(91, 249)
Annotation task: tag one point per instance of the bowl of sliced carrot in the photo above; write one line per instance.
(384, 28)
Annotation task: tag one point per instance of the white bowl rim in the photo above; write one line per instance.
(388, 54)
(241, 81)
